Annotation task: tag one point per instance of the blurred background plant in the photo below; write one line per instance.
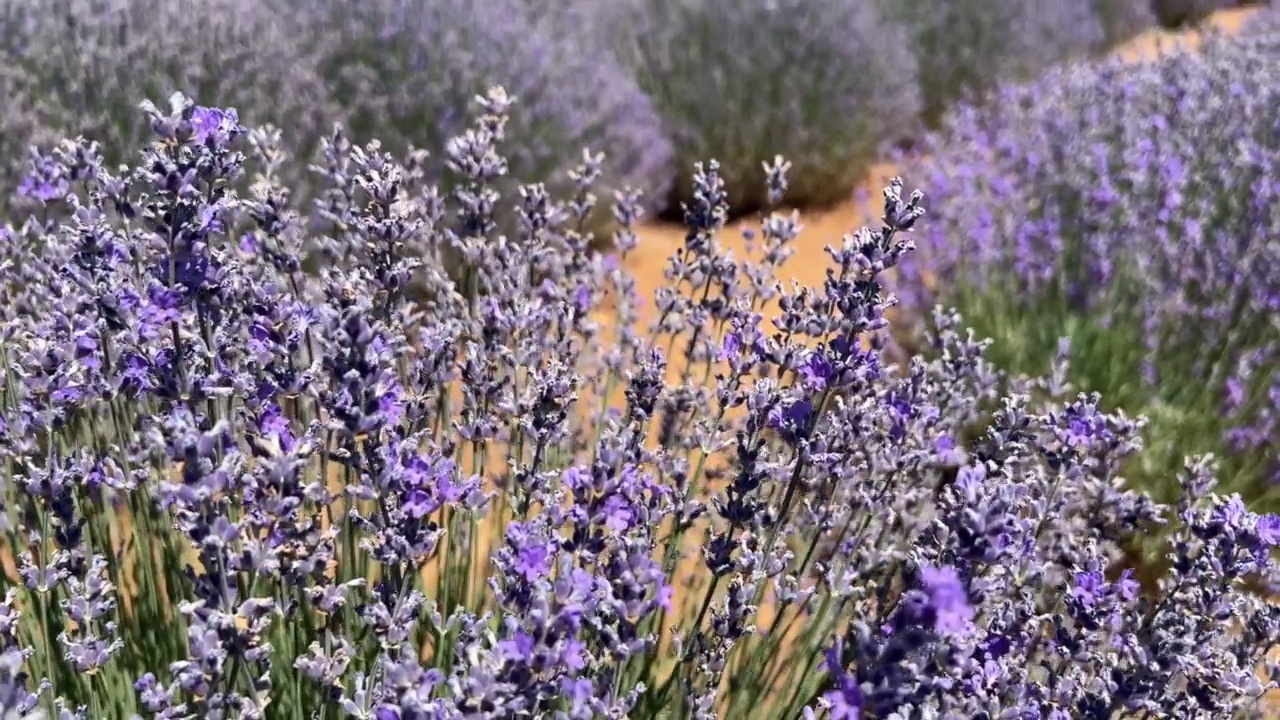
(1123, 19)
(1176, 14)
(825, 84)
(396, 70)
(405, 70)
(78, 67)
(1131, 208)
(655, 85)
(964, 47)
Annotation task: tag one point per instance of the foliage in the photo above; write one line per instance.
(237, 490)
(1132, 209)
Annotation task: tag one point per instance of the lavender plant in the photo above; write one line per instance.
(1130, 209)
(235, 490)
(407, 68)
(964, 47)
(1123, 19)
(739, 81)
(76, 67)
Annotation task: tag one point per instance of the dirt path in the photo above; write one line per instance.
(1149, 44)
(808, 266)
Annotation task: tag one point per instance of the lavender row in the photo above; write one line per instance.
(1132, 209)
(234, 489)
(656, 84)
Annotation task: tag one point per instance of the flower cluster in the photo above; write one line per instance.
(1118, 206)
(239, 489)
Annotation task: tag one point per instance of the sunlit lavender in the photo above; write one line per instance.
(238, 490)
(329, 392)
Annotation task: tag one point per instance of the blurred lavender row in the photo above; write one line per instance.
(654, 84)
(399, 71)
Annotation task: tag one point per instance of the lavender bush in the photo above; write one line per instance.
(234, 490)
(1123, 19)
(739, 81)
(963, 47)
(76, 67)
(1179, 13)
(406, 68)
(1131, 209)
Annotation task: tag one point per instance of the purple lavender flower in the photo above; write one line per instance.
(246, 484)
(46, 181)
(214, 123)
(946, 599)
(846, 700)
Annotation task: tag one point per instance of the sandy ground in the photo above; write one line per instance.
(1150, 43)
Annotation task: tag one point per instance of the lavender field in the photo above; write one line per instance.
(416, 360)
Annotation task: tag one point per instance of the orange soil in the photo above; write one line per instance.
(1149, 44)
